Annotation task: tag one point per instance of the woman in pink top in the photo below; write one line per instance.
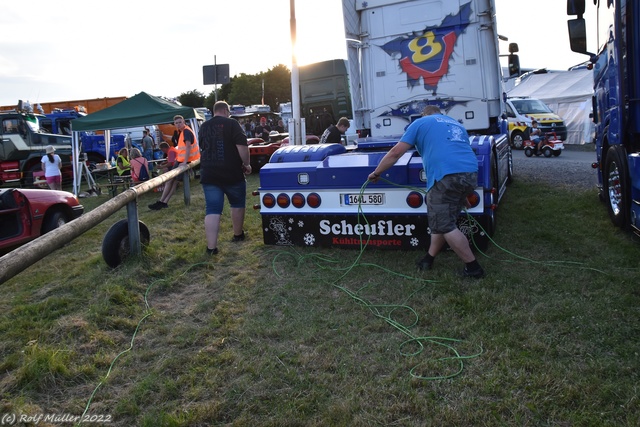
(139, 166)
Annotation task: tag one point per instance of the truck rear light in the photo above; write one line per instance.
(303, 178)
(268, 200)
(473, 199)
(415, 199)
(283, 200)
(298, 200)
(314, 200)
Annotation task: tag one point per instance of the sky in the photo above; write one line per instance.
(52, 51)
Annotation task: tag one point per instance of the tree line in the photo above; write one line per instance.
(246, 89)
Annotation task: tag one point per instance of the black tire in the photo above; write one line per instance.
(615, 181)
(557, 152)
(115, 245)
(528, 152)
(28, 178)
(54, 220)
(482, 231)
(547, 151)
(517, 139)
(510, 170)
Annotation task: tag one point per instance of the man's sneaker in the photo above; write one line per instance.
(155, 206)
(162, 205)
(238, 238)
(424, 264)
(213, 251)
(475, 274)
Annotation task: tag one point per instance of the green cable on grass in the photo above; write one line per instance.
(378, 310)
(148, 312)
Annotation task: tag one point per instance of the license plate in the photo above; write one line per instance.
(364, 199)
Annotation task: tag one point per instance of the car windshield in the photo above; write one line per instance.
(530, 106)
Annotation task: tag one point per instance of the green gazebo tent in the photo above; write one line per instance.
(140, 110)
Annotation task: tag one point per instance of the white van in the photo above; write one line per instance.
(135, 134)
(522, 110)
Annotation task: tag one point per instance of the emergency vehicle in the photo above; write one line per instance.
(522, 110)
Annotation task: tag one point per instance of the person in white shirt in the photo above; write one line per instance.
(51, 165)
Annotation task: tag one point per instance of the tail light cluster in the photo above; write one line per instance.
(298, 200)
(415, 199)
(473, 199)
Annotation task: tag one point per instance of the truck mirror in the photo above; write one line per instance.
(575, 7)
(514, 65)
(578, 35)
(513, 48)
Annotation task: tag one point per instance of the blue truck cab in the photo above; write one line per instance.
(616, 103)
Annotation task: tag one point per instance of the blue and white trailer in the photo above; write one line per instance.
(312, 195)
(402, 56)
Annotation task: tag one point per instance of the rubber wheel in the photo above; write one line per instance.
(517, 139)
(557, 153)
(28, 178)
(54, 220)
(528, 152)
(616, 186)
(115, 245)
(510, 170)
(548, 152)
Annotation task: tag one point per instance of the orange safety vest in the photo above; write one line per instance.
(194, 152)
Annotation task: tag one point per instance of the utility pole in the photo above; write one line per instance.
(295, 83)
(215, 79)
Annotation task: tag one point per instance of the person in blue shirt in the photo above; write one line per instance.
(452, 174)
(535, 135)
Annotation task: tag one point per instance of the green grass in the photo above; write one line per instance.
(271, 336)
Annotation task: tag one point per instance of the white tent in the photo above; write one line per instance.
(568, 94)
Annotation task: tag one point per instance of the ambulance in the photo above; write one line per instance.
(522, 110)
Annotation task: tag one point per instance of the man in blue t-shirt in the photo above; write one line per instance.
(452, 174)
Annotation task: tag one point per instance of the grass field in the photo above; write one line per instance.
(267, 336)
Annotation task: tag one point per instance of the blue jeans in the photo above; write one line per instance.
(148, 154)
(214, 196)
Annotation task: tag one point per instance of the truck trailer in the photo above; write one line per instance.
(616, 103)
(402, 56)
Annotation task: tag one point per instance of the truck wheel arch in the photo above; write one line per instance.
(54, 218)
(30, 167)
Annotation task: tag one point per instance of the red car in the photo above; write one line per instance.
(28, 213)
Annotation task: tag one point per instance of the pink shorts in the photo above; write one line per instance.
(57, 179)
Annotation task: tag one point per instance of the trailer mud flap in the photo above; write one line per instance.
(400, 232)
